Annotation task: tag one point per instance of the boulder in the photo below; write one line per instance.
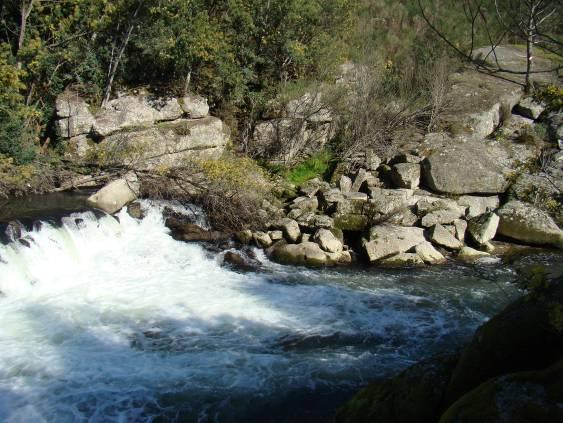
(528, 224)
(340, 258)
(74, 115)
(471, 254)
(328, 241)
(305, 203)
(484, 228)
(388, 201)
(244, 236)
(388, 240)
(402, 259)
(477, 103)
(240, 262)
(533, 396)
(525, 336)
(304, 254)
(262, 239)
(314, 186)
(290, 229)
(443, 217)
(467, 167)
(135, 210)
(194, 106)
(429, 254)
(275, 235)
(115, 195)
(351, 222)
(413, 396)
(406, 175)
(441, 236)
(189, 232)
(345, 184)
(360, 178)
(529, 108)
(476, 206)
(460, 226)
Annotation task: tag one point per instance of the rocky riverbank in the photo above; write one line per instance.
(510, 371)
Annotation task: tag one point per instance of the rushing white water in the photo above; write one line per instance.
(115, 321)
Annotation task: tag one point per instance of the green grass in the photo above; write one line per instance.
(315, 166)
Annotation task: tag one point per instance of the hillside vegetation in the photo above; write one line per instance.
(239, 54)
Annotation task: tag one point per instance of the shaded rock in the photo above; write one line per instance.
(388, 240)
(483, 228)
(244, 236)
(525, 336)
(309, 107)
(360, 178)
(441, 236)
(529, 108)
(189, 232)
(135, 210)
(476, 206)
(305, 203)
(194, 106)
(322, 221)
(313, 186)
(275, 235)
(351, 222)
(328, 241)
(526, 223)
(239, 262)
(471, 254)
(115, 195)
(262, 239)
(517, 397)
(406, 175)
(402, 259)
(413, 396)
(429, 254)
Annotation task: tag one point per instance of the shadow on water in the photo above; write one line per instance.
(46, 206)
(158, 373)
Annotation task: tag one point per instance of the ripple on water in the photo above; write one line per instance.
(112, 321)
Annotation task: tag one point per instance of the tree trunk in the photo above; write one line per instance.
(25, 11)
(529, 53)
(114, 65)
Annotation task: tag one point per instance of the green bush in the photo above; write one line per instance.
(316, 166)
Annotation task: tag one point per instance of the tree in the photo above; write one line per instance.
(536, 23)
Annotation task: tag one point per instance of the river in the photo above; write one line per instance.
(108, 319)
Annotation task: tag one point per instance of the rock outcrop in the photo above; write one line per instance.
(141, 130)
